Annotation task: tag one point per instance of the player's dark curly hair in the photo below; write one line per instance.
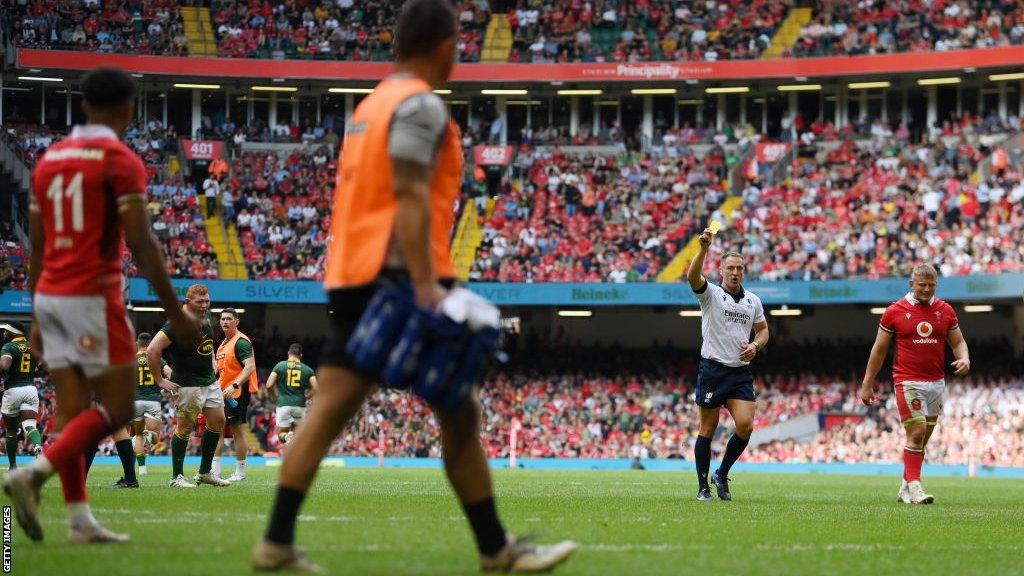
(423, 25)
(105, 88)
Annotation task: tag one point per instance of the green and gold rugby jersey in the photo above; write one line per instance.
(292, 383)
(193, 367)
(23, 364)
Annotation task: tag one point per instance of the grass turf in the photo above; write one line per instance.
(636, 523)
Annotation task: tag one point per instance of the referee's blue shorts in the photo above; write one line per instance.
(717, 383)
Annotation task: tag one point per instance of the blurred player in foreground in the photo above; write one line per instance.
(921, 324)
(298, 382)
(88, 191)
(398, 178)
(728, 315)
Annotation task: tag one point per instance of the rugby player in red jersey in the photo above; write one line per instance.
(88, 195)
(921, 324)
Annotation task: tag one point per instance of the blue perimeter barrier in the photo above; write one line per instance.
(622, 464)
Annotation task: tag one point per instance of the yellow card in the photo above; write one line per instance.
(715, 226)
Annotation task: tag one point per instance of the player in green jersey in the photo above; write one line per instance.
(148, 411)
(195, 389)
(145, 425)
(21, 399)
(298, 382)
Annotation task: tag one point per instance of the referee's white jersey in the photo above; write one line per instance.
(726, 322)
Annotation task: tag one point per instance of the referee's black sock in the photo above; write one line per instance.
(126, 452)
(702, 455)
(282, 518)
(733, 450)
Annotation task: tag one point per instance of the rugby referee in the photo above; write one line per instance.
(728, 313)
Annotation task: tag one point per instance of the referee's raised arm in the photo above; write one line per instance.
(693, 275)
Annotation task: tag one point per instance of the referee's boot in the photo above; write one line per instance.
(721, 486)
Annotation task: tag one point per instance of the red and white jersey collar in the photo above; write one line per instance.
(914, 302)
(93, 131)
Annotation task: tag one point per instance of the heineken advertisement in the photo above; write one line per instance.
(958, 289)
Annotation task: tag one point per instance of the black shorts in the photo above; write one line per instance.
(717, 383)
(345, 307)
(239, 413)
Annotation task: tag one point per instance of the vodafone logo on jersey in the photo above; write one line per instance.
(924, 330)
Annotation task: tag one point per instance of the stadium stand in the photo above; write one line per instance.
(282, 211)
(174, 205)
(118, 26)
(648, 30)
(642, 31)
(845, 28)
(346, 30)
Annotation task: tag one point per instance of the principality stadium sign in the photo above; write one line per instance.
(741, 70)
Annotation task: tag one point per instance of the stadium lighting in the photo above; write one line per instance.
(274, 89)
(728, 90)
(219, 310)
(786, 311)
(1009, 76)
(878, 311)
(690, 313)
(652, 91)
(575, 313)
(147, 309)
(690, 101)
(938, 81)
(978, 308)
(868, 85)
(443, 92)
(798, 87)
(504, 92)
(351, 90)
(199, 86)
(40, 79)
(584, 92)
(523, 102)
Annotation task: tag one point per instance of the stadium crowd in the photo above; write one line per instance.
(281, 204)
(887, 26)
(173, 203)
(114, 26)
(595, 218)
(613, 31)
(343, 30)
(543, 31)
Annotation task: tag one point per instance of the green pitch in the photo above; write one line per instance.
(630, 523)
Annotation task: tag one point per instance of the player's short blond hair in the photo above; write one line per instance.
(924, 271)
(196, 290)
(734, 254)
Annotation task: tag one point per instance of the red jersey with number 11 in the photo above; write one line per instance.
(76, 187)
(920, 330)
